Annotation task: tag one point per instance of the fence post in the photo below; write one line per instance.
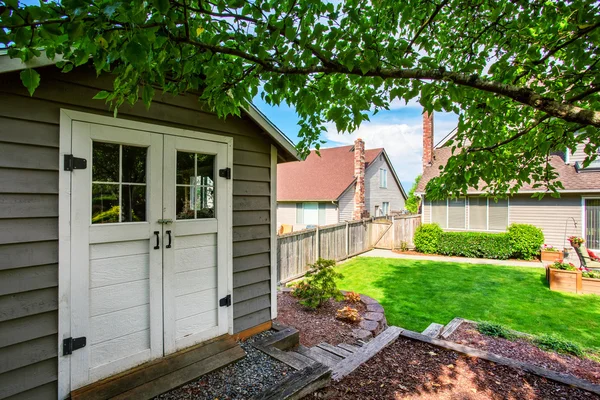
(318, 243)
(347, 240)
(393, 233)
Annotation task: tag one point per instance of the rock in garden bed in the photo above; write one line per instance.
(522, 350)
(319, 325)
(251, 375)
(409, 369)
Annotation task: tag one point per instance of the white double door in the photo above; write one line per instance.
(148, 246)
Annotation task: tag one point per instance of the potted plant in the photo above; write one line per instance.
(564, 277)
(576, 241)
(590, 282)
(551, 254)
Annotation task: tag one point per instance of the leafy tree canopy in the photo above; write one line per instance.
(523, 75)
(413, 202)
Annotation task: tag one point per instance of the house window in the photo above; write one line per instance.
(383, 178)
(592, 223)
(487, 214)
(311, 213)
(439, 213)
(385, 208)
(456, 214)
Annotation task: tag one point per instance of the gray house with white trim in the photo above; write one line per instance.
(126, 240)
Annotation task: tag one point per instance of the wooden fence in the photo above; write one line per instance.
(297, 250)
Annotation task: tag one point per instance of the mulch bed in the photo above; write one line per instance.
(522, 350)
(409, 369)
(316, 326)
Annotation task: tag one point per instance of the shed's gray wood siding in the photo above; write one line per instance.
(29, 162)
(376, 195)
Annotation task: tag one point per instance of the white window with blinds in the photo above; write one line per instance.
(439, 213)
(311, 213)
(385, 208)
(488, 215)
(592, 223)
(456, 214)
(383, 178)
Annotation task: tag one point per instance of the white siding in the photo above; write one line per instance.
(346, 204)
(579, 155)
(376, 195)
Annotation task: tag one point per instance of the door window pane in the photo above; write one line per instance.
(134, 164)
(133, 203)
(592, 223)
(118, 183)
(105, 203)
(105, 162)
(195, 190)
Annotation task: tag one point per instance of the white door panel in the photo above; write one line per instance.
(195, 267)
(116, 274)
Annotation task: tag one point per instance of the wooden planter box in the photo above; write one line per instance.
(590, 286)
(571, 282)
(552, 256)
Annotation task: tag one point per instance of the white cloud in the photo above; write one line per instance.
(402, 141)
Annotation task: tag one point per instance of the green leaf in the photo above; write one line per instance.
(161, 5)
(135, 53)
(31, 79)
(101, 95)
(147, 95)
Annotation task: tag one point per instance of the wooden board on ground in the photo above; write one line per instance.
(338, 351)
(366, 352)
(201, 359)
(485, 355)
(298, 385)
(451, 327)
(433, 330)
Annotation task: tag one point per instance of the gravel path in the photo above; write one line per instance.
(241, 380)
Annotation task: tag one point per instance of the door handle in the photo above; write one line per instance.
(169, 235)
(157, 240)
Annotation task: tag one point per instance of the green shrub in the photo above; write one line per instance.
(495, 330)
(525, 240)
(319, 285)
(427, 237)
(475, 244)
(563, 266)
(558, 344)
(592, 274)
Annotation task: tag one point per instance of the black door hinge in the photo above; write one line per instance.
(72, 163)
(72, 344)
(225, 173)
(225, 301)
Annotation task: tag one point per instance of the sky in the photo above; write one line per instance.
(398, 130)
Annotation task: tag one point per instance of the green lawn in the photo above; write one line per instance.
(417, 293)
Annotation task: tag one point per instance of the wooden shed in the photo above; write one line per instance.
(126, 240)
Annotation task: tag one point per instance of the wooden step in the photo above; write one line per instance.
(451, 327)
(298, 385)
(349, 347)
(156, 377)
(434, 330)
(291, 358)
(319, 355)
(338, 351)
(361, 356)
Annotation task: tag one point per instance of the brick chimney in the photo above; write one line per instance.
(427, 139)
(359, 173)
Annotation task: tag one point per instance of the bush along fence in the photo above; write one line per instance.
(298, 250)
(520, 241)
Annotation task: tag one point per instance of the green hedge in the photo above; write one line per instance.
(427, 237)
(525, 240)
(475, 245)
(521, 241)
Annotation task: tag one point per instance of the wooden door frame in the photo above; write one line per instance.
(67, 117)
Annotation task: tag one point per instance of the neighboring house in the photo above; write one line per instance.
(132, 243)
(342, 184)
(576, 212)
